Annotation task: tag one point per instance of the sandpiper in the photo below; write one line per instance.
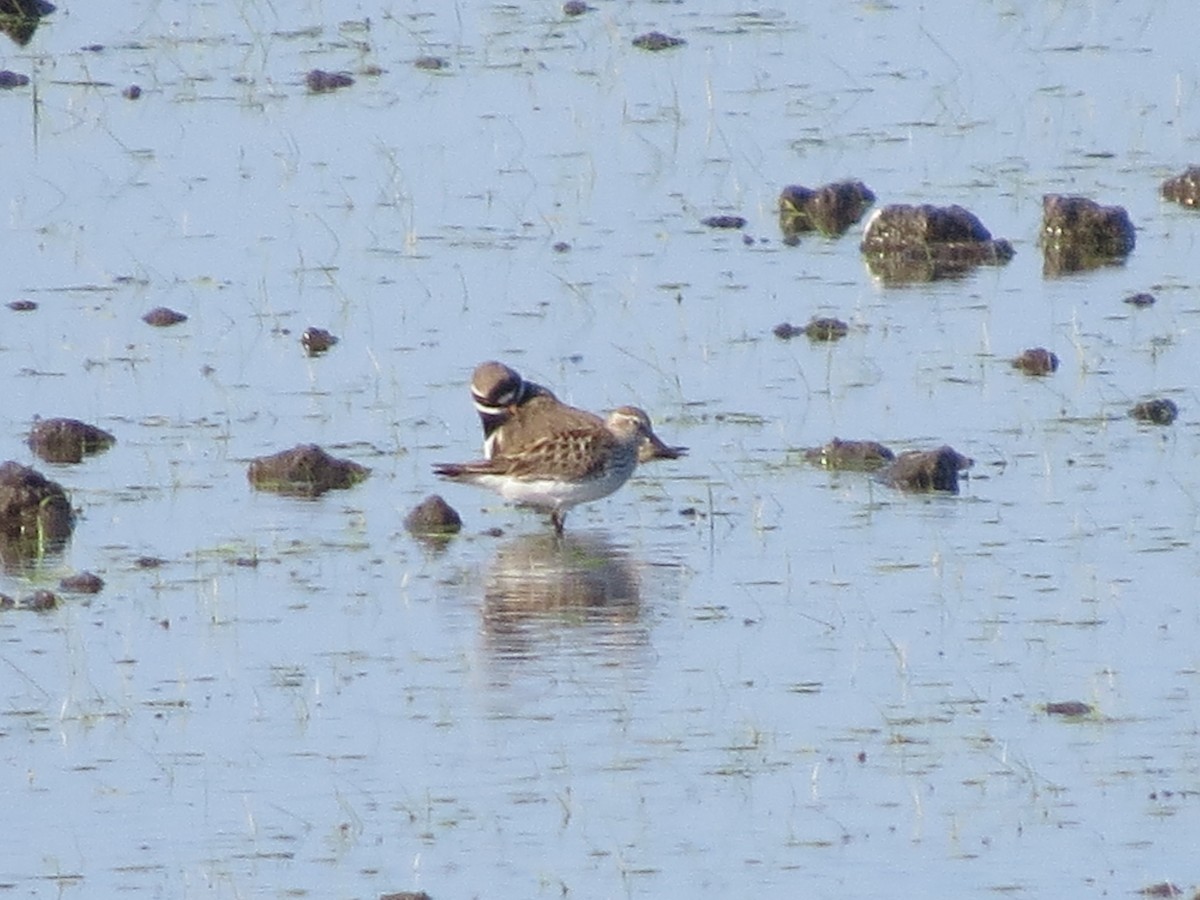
(515, 412)
(572, 461)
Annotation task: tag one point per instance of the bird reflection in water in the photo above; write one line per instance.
(544, 591)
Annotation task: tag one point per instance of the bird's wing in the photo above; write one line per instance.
(527, 421)
(574, 453)
(464, 470)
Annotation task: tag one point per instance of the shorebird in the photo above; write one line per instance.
(570, 460)
(514, 412)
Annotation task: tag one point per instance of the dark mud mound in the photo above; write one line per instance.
(67, 440)
(1184, 188)
(316, 341)
(1159, 411)
(35, 514)
(927, 470)
(82, 583)
(725, 221)
(163, 317)
(818, 330)
(1079, 234)
(19, 19)
(854, 456)
(304, 471)
(829, 210)
(908, 244)
(318, 81)
(39, 601)
(656, 40)
(1036, 361)
(433, 517)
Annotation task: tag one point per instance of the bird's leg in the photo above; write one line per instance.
(558, 519)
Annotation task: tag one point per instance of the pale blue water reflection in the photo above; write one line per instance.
(807, 683)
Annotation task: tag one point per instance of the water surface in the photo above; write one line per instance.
(740, 674)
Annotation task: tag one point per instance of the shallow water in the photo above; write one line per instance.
(741, 673)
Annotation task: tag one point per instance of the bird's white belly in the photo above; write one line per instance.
(550, 494)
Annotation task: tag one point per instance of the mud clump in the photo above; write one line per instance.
(1140, 300)
(1079, 234)
(574, 8)
(1036, 361)
(818, 329)
(829, 210)
(927, 470)
(317, 341)
(35, 514)
(431, 63)
(1184, 188)
(1162, 889)
(26, 9)
(785, 331)
(9, 80)
(132, 92)
(41, 601)
(1159, 411)
(19, 18)
(656, 40)
(22, 305)
(38, 601)
(433, 517)
(1071, 708)
(826, 329)
(82, 583)
(304, 471)
(163, 317)
(318, 81)
(906, 244)
(730, 222)
(854, 456)
(67, 440)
